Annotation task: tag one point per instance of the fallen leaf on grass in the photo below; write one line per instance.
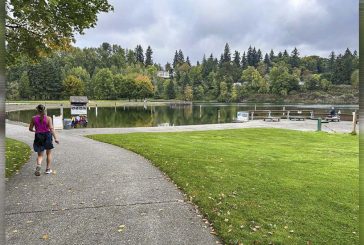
(45, 237)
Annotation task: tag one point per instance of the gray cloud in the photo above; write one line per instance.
(315, 27)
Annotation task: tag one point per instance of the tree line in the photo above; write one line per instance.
(112, 72)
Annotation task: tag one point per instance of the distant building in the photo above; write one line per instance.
(163, 74)
(236, 84)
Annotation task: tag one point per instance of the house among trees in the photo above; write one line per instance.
(163, 74)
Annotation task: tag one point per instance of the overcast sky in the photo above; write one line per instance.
(198, 27)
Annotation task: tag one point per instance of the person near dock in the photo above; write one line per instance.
(43, 138)
(332, 112)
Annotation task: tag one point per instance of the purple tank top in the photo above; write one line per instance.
(40, 127)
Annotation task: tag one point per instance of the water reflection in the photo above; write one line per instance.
(153, 116)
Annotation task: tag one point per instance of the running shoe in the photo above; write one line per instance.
(37, 171)
(48, 171)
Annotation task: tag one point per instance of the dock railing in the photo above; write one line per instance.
(261, 114)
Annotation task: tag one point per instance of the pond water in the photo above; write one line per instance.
(174, 114)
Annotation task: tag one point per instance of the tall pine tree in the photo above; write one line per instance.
(175, 60)
(294, 60)
(237, 58)
(139, 55)
(244, 62)
(227, 55)
(181, 57)
(148, 57)
(188, 61)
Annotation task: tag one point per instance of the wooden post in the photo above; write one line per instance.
(287, 114)
(269, 114)
(62, 110)
(96, 109)
(200, 111)
(255, 107)
(354, 123)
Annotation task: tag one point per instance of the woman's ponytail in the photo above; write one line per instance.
(41, 109)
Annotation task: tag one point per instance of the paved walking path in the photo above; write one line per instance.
(98, 187)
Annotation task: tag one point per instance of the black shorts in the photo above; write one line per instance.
(43, 141)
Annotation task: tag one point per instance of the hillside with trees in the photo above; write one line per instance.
(113, 72)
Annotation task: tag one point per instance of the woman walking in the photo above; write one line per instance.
(43, 138)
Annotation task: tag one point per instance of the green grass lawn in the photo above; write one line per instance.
(17, 153)
(263, 185)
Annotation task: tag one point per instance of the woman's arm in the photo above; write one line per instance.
(50, 126)
(31, 126)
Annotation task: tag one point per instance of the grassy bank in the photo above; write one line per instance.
(263, 185)
(17, 153)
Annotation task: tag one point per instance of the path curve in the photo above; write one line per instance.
(89, 197)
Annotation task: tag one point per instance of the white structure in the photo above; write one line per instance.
(163, 74)
(78, 105)
(242, 116)
(58, 122)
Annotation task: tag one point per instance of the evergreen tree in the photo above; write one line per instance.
(250, 57)
(148, 57)
(259, 56)
(181, 57)
(139, 55)
(237, 58)
(332, 59)
(130, 57)
(271, 55)
(285, 54)
(338, 76)
(254, 58)
(188, 61)
(294, 61)
(267, 60)
(175, 60)
(244, 62)
(227, 55)
(221, 61)
(171, 93)
(167, 67)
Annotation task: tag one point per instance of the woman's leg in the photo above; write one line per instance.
(49, 158)
(40, 158)
(39, 163)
